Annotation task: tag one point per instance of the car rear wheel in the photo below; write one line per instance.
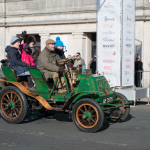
(13, 105)
(88, 115)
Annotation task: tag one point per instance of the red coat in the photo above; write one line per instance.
(27, 58)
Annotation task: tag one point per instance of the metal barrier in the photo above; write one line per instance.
(142, 80)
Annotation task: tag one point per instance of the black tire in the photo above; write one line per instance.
(126, 108)
(95, 107)
(17, 108)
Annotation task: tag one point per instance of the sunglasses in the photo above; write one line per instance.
(78, 55)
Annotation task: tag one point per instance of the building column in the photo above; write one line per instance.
(78, 43)
(44, 38)
(82, 43)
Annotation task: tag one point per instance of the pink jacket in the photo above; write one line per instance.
(27, 58)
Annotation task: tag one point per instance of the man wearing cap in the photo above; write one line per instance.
(47, 63)
(78, 61)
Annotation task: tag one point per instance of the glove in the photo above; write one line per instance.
(61, 69)
(3, 61)
(23, 33)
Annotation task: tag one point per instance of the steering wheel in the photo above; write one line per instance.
(64, 60)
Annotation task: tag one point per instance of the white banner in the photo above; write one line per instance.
(128, 42)
(108, 42)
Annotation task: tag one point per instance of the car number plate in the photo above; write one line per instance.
(108, 100)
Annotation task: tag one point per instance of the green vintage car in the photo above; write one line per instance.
(89, 99)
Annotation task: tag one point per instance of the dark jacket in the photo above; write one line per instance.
(93, 67)
(15, 60)
(138, 67)
(14, 56)
(60, 53)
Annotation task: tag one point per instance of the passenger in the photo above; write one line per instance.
(31, 41)
(26, 55)
(15, 63)
(47, 64)
(59, 48)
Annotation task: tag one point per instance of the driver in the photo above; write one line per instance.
(47, 61)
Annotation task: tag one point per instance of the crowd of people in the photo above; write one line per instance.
(22, 54)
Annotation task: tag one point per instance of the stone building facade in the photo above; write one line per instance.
(75, 18)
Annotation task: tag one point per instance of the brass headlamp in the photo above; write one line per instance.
(74, 78)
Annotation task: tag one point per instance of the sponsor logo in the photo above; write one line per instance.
(108, 39)
(109, 19)
(129, 5)
(108, 67)
(128, 66)
(127, 72)
(129, 32)
(109, 6)
(109, 53)
(128, 25)
(106, 73)
(108, 25)
(129, 19)
(108, 32)
(114, 53)
(108, 46)
(128, 52)
(128, 80)
(108, 61)
(128, 45)
(128, 39)
(128, 60)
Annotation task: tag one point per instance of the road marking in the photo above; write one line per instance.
(7, 144)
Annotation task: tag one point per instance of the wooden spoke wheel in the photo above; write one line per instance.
(13, 105)
(88, 115)
(122, 112)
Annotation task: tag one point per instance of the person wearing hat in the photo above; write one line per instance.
(31, 41)
(26, 55)
(138, 69)
(15, 63)
(47, 64)
(59, 48)
(78, 61)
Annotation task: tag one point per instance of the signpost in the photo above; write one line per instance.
(115, 41)
(128, 42)
(109, 40)
(115, 46)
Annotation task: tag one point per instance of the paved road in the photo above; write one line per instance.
(59, 133)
